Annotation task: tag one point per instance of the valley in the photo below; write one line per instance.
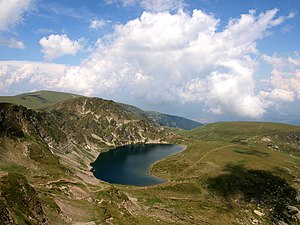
(230, 172)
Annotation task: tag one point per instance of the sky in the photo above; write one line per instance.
(208, 60)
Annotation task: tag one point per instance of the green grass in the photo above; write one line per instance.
(38, 100)
(41, 153)
(22, 199)
(200, 177)
(236, 131)
(13, 167)
(113, 194)
(273, 193)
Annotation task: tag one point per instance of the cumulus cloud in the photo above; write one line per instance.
(279, 94)
(55, 46)
(97, 24)
(284, 81)
(152, 5)
(39, 75)
(163, 57)
(179, 57)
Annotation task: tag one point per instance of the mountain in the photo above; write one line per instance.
(39, 99)
(230, 172)
(78, 129)
(164, 119)
(58, 143)
(172, 121)
(43, 99)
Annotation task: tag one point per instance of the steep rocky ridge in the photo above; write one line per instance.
(39, 100)
(77, 130)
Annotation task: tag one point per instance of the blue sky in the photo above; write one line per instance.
(207, 60)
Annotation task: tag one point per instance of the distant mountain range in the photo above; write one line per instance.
(43, 99)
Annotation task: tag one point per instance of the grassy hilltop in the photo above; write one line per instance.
(230, 173)
(39, 99)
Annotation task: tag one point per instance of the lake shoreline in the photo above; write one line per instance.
(184, 147)
(132, 165)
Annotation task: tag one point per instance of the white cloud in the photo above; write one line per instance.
(284, 81)
(286, 29)
(97, 24)
(291, 15)
(22, 73)
(12, 43)
(152, 5)
(55, 46)
(12, 12)
(280, 94)
(164, 58)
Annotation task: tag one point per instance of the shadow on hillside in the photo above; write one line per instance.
(252, 152)
(257, 186)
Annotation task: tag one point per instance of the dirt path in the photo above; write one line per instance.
(198, 161)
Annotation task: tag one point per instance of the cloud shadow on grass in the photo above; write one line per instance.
(257, 186)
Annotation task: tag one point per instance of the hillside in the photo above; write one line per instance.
(77, 129)
(231, 131)
(230, 173)
(43, 99)
(164, 119)
(39, 99)
(59, 143)
(172, 121)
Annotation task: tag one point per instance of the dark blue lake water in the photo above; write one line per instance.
(130, 164)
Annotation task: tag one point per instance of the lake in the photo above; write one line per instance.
(130, 165)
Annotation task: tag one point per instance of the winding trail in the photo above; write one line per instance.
(198, 161)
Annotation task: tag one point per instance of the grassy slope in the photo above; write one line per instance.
(230, 131)
(215, 163)
(38, 100)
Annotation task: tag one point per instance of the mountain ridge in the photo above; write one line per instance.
(42, 99)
